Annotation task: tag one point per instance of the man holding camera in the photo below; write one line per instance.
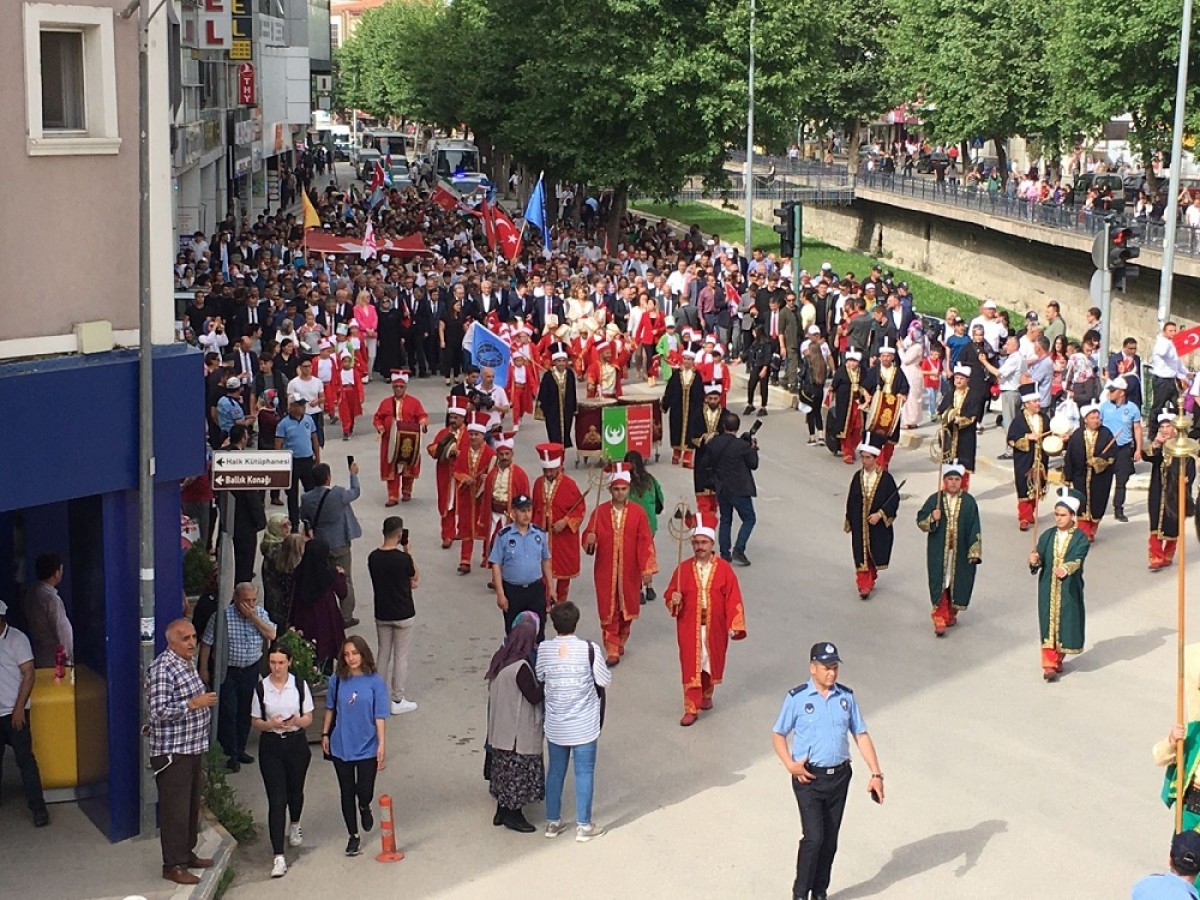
(729, 462)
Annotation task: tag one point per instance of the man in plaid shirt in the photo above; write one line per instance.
(180, 720)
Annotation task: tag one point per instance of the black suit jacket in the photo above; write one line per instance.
(243, 320)
(728, 462)
(687, 314)
(557, 307)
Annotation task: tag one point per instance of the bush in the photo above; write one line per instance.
(304, 657)
(198, 570)
(221, 799)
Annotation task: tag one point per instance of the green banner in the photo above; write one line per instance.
(615, 431)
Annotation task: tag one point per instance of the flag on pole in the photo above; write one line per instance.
(369, 246)
(311, 218)
(1187, 341)
(508, 236)
(535, 210)
(489, 224)
(487, 349)
(447, 198)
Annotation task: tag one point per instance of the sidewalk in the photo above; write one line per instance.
(72, 860)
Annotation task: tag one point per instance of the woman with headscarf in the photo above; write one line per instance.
(912, 352)
(281, 552)
(318, 587)
(387, 347)
(517, 773)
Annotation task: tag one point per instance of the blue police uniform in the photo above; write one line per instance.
(520, 558)
(820, 727)
(296, 435)
(1164, 887)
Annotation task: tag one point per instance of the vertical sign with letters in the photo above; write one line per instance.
(215, 20)
(242, 46)
(245, 89)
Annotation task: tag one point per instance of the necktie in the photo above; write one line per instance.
(774, 325)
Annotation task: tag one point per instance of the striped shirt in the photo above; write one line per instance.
(171, 682)
(572, 704)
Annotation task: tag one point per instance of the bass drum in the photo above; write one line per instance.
(832, 443)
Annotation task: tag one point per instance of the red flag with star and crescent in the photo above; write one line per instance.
(503, 236)
(1187, 341)
(445, 198)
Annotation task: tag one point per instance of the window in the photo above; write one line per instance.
(70, 80)
(62, 81)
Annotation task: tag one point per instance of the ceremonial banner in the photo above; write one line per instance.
(627, 428)
(487, 349)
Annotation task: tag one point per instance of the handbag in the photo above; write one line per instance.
(332, 720)
(600, 692)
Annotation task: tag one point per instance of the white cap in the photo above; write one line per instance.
(1167, 413)
(1088, 409)
(505, 441)
(620, 474)
(953, 467)
(669, 322)
(706, 526)
(1117, 384)
(853, 354)
(888, 349)
(1065, 498)
(713, 387)
(233, 383)
(989, 304)
(868, 448)
(814, 329)
(965, 371)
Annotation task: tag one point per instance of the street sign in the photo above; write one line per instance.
(249, 470)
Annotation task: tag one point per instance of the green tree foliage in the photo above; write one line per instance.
(1106, 65)
(977, 66)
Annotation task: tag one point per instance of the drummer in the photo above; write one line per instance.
(399, 421)
(1088, 468)
(1025, 436)
(888, 388)
(604, 375)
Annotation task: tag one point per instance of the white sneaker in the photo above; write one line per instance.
(404, 706)
(584, 833)
(280, 868)
(555, 828)
(295, 835)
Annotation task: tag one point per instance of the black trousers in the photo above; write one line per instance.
(763, 385)
(531, 597)
(283, 761)
(1165, 390)
(821, 803)
(245, 545)
(814, 419)
(302, 467)
(233, 713)
(21, 740)
(178, 778)
(1122, 469)
(356, 782)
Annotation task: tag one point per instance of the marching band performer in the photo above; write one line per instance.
(886, 376)
(470, 472)
(1058, 563)
(954, 547)
(846, 417)
(1087, 467)
(558, 509)
(445, 449)
(400, 421)
(959, 411)
(872, 504)
(1025, 434)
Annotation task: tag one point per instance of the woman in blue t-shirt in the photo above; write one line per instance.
(356, 710)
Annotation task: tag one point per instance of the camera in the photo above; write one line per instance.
(480, 400)
(755, 427)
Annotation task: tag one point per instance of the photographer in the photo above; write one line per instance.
(729, 462)
(487, 386)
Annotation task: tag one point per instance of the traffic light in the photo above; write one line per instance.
(1121, 250)
(786, 229)
(790, 228)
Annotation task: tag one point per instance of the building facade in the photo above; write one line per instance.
(69, 375)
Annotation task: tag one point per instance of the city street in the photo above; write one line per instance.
(997, 784)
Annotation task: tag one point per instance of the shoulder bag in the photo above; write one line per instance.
(602, 693)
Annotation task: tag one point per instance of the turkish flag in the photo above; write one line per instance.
(489, 224)
(376, 179)
(1187, 341)
(508, 236)
(445, 198)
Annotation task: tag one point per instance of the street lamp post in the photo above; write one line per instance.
(1172, 209)
(749, 177)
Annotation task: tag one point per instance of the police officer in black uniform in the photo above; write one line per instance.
(520, 561)
(821, 715)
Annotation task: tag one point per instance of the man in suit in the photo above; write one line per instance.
(423, 358)
(328, 511)
(249, 317)
(245, 367)
(343, 310)
(789, 340)
(549, 304)
(687, 315)
(729, 462)
(490, 301)
(899, 315)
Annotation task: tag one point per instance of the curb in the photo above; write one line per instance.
(222, 855)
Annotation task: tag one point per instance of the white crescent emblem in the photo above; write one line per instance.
(1187, 341)
(615, 435)
(829, 648)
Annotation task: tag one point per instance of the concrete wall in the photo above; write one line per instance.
(1017, 272)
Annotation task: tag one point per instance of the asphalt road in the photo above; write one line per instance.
(998, 785)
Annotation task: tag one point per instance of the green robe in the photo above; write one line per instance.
(954, 547)
(1060, 602)
(1191, 744)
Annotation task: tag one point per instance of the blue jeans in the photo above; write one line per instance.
(745, 510)
(556, 774)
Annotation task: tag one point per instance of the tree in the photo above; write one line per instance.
(1104, 67)
(977, 67)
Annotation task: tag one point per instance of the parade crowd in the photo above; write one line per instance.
(291, 338)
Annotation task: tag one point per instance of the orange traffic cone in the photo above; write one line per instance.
(387, 832)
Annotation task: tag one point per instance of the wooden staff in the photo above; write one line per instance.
(678, 529)
(1180, 772)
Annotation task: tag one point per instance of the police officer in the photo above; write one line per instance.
(1180, 884)
(520, 560)
(820, 714)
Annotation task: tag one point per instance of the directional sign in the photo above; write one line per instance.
(242, 470)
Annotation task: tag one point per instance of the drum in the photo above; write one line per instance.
(404, 444)
(589, 423)
(1052, 444)
(1061, 425)
(883, 414)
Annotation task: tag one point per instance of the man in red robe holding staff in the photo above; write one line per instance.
(446, 446)
(504, 483)
(618, 535)
(706, 601)
(558, 509)
(399, 421)
(470, 471)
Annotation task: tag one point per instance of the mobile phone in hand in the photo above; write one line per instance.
(875, 796)
(349, 460)
(404, 538)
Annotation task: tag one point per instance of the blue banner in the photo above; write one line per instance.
(488, 350)
(535, 211)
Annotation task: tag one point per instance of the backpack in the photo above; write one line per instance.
(301, 690)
